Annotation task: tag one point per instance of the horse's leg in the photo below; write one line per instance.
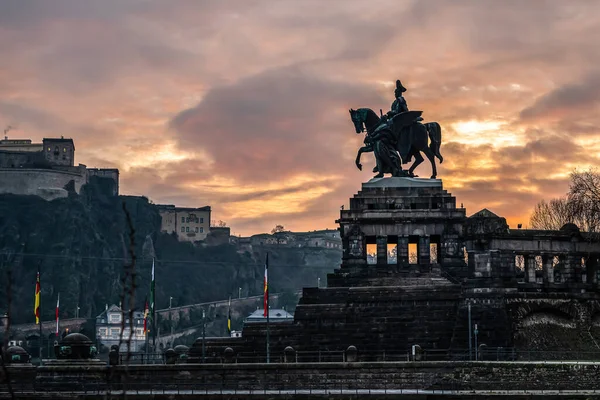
(365, 149)
(418, 160)
(429, 154)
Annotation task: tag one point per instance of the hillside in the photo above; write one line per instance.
(80, 244)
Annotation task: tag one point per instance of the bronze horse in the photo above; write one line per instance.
(412, 137)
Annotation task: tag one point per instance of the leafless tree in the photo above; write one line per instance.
(584, 197)
(581, 205)
(553, 214)
(277, 229)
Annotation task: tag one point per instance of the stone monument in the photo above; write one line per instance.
(421, 280)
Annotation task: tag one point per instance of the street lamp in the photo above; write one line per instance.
(318, 282)
(170, 300)
(239, 293)
(77, 311)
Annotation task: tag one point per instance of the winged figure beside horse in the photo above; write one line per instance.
(396, 137)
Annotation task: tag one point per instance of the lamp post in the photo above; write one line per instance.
(476, 351)
(170, 317)
(470, 334)
(318, 282)
(239, 293)
(203, 336)
(77, 311)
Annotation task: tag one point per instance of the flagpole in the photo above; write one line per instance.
(267, 308)
(153, 305)
(39, 280)
(57, 312)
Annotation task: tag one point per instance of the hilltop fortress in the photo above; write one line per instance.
(46, 169)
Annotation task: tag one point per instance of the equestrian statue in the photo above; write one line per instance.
(397, 136)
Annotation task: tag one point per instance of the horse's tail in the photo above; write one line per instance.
(435, 135)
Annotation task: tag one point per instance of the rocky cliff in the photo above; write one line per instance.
(81, 244)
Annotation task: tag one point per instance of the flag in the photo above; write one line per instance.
(266, 286)
(146, 317)
(152, 284)
(229, 318)
(38, 289)
(57, 308)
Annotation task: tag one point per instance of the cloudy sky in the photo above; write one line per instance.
(243, 104)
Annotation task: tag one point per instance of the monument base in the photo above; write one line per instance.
(402, 182)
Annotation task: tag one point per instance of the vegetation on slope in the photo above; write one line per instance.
(80, 244)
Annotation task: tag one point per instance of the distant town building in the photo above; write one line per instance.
(275, 315)
(190, 224)
(46, 169)
(236, 333)
(326, 238)
(108, 328)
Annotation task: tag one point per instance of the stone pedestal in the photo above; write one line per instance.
(410, 217)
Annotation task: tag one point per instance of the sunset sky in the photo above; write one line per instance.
(243, 104)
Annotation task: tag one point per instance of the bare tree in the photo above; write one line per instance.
(584, 196)
(552, 215)
(581, 205)
(277, 229)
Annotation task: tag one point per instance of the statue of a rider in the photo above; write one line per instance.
(403, 121)
(384, 130)
(399, 105)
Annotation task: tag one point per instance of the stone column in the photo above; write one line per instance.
(547, 269)
(529, 268)
(424, 255)
(402, 250)
(571, 262)
(381, 250)
(592, 268)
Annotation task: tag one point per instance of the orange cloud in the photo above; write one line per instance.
(243, 104)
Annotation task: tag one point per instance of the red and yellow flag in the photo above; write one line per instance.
(146, 317)
(36, 310)
(266, 287)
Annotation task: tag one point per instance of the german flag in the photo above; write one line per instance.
(38, 289)
(229, 318)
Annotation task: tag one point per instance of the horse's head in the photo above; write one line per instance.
(358, 118)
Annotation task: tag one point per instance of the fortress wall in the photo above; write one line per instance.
(48, 184)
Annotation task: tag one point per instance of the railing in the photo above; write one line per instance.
(324, 356)
(347, 386)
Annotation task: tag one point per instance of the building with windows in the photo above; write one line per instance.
(46, 169)
(109, 325)
(190, 224)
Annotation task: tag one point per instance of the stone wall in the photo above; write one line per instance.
(304, 376)
(46, 183)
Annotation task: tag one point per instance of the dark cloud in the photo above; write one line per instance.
(577, 96)
(275, 125)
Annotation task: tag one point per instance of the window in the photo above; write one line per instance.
(187, 228)
(182, 220)
(371, 242)
(182, 229)
(196, 229)
(201, 229)
(187, 219)
(197, 220)
(64, 149)
(139, 331)
(114, 332)
(102, 332)
(201, 220)
(114, 317)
